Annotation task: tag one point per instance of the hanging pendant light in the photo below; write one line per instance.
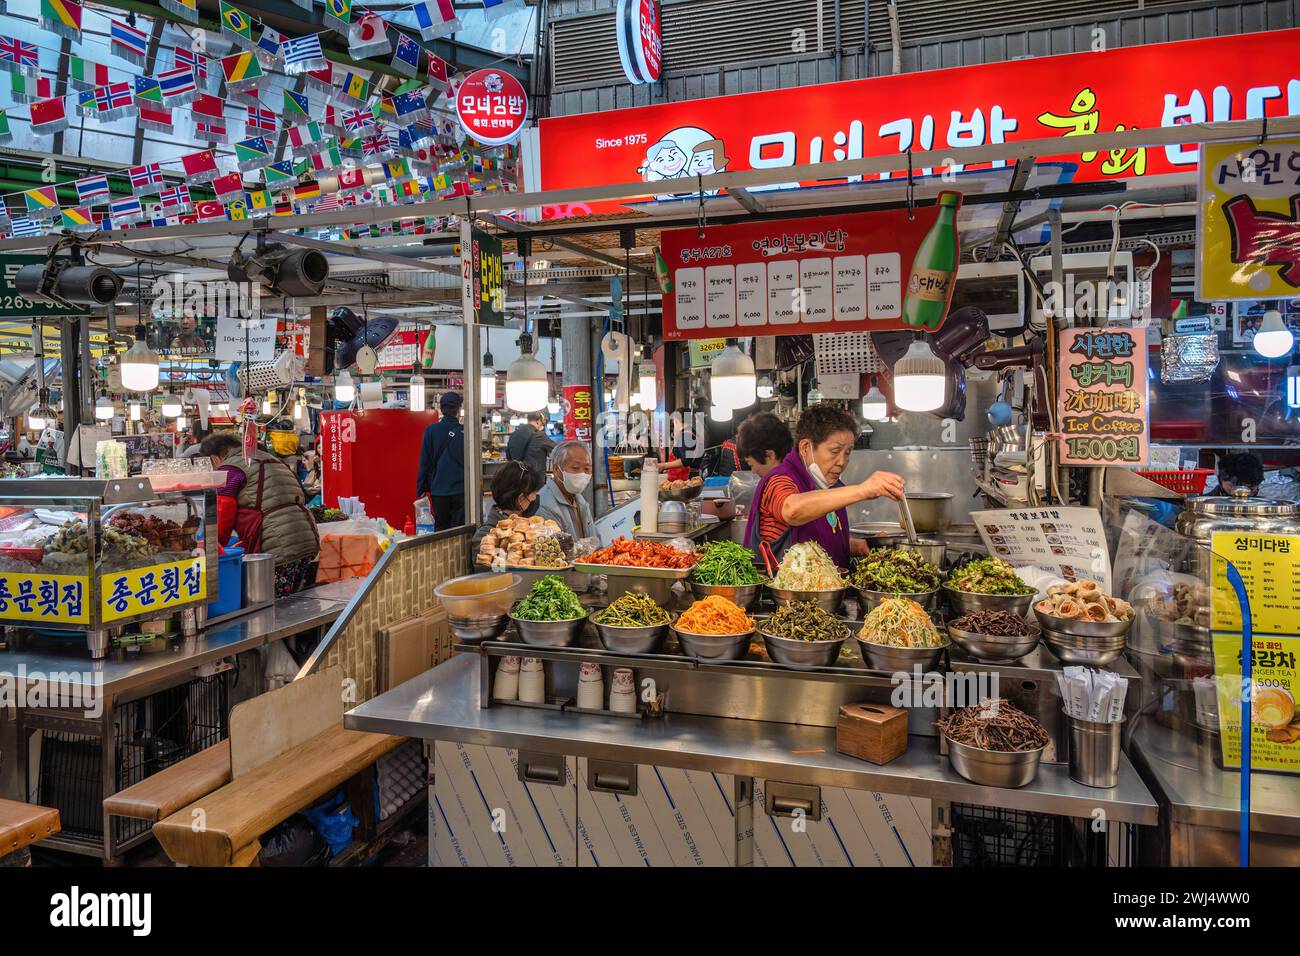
(268, 404)
(874, 406)
(1274, 339)
(135, 410)
(527, 387)
(41, 414)
(815, 395)
(765, 389)
(344, 390)
(487, 376)
(139, 364)
(719, 413)
(920, 379)
(181, 423)
(416, 401)
(104, 410)
(732, 380)
(647, 386)
(171, 405)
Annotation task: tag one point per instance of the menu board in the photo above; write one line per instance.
(1274, 723)
(844, 273)
(1103, 405)
(1068, 542)
(1269, 565)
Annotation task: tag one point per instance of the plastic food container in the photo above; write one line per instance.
(480, 595)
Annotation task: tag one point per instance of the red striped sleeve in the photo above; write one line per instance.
(770, 523)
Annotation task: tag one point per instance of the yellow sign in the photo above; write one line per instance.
(155, 588)
(52, 598)
(704, 351)
(1269, 565)
(1274, 723)
(1249, 212)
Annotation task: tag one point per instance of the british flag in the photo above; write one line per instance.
(145, 179)
(260, 119)
(15, 53)
(357, 120)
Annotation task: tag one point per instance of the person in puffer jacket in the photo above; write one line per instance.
(263, 501)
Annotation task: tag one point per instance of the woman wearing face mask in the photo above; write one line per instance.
(802, 498)
(514, 492)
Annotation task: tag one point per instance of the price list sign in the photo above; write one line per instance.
(786, 277)
(1103, 406)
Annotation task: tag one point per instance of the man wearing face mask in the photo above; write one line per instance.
(802, 498)
(562, 496)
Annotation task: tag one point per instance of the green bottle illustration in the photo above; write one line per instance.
(935, 267)
(662, 274)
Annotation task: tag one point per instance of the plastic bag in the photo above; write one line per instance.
(294, 842)
(333, 819)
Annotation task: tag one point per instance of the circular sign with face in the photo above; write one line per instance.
(640, 43)
(492, 106)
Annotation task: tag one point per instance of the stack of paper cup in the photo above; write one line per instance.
(532, 681)
(591, 686)
(622, 695)
(650, 496)
(506, 684)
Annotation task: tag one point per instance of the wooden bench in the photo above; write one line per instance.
(22, 824)
(223, 827)
(178, 786)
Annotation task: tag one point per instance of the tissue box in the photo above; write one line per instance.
(875, 733)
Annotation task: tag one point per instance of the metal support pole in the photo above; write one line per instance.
(473, 429)
(70, 360)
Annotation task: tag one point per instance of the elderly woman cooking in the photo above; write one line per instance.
(802, 498)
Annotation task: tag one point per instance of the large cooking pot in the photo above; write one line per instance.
(931, 511)
(1240, 511)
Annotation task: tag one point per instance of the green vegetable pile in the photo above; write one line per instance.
(895, 571)
(988, 576)
(805, 621)
(725, 563)
(550, 599)
(632, 609)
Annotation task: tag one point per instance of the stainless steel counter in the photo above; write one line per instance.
(1199, 793)
(442, 704)
(36, 658)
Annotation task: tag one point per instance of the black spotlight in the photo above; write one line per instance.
(285, 271)
(61, 282)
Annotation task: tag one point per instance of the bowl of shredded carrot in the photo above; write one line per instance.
(714, 628)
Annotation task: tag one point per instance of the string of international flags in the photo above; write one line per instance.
(422, 158)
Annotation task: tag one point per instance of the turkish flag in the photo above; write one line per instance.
(209, 209)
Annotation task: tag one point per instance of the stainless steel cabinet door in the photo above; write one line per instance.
(490, 806)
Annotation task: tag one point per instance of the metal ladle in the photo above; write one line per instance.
(905, 510)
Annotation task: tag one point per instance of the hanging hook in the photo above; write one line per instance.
(1263, 129)
(911, 188)
(700, 219)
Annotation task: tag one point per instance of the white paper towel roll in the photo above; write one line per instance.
(372, 394)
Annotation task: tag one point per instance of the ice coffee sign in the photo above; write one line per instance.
(1103, 397)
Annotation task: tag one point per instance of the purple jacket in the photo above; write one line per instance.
(830, 531)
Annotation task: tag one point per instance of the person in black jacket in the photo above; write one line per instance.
(530, 444)
(442, 465)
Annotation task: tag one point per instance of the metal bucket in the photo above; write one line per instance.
(1094, 752)
(259, 579)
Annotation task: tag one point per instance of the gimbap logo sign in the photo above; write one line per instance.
(640, 40)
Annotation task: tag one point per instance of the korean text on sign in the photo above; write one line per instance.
(141, 590)
(52, 598)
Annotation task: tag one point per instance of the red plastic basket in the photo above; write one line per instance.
(1190, 481)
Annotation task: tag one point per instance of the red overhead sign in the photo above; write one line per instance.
(1164, 84)
(870, 271)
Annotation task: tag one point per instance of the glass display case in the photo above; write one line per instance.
(91, 555)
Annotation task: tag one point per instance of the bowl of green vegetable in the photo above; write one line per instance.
(988, 584)
(803, 634)
(632, 624)
(895, 572)
(727, 569)
(550, 616)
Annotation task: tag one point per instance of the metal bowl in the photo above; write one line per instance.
(549, 633)
(994, 768)
(930, 510)
(870, 599)
(995, 648)
(685, 494)
(792, 653)
(829, 601)
(1093, 651)
(631, 640)
(714, 647)
(471, 630)
(659, 590)
(742, 595)
(883, 657)
(1072, 625)
(968, 602)
(927, 549)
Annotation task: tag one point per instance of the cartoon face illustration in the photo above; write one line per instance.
(707, 158)
(494, 83)
(664, 160)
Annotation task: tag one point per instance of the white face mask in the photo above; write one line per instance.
(576, 484)
(815, 470)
